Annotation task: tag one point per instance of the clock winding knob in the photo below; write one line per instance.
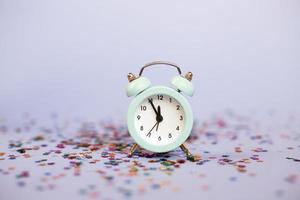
(131, 77)
(189, 76)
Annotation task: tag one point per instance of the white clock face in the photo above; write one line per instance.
(159, 119)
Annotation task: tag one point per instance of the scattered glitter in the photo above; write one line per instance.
(96, 153)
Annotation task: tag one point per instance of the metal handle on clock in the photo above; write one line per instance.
(160, 63)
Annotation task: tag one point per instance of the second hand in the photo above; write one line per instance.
(152, 128)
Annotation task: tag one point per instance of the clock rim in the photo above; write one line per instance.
(188, 122)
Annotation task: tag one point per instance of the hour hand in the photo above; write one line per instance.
(159, 117)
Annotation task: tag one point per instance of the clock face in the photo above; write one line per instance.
(159, 119)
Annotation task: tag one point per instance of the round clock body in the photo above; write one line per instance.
(171, 130)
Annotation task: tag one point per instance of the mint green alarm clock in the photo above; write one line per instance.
(160, 118)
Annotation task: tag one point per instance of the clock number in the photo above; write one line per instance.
(160, 97)
(159, 138)
(181, 118)
(170, 135)
(150, 99)
(138, 117)
(143, 108)
(177, 128)
(149, 134)
(141, 128)
(170, 100)
(178, 106)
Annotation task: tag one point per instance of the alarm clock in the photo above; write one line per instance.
(160, 118)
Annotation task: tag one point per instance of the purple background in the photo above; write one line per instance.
(72, 57)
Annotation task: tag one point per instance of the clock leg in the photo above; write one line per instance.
(188, 154)
(132, 149)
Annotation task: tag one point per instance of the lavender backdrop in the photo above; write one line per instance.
(72, 57)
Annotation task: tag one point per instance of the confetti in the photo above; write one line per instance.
(294, 159)
(292, 178)
(90, 159)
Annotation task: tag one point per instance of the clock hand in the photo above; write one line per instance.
(152, 127)
(159, 117)
(151, 102)
(159, 111)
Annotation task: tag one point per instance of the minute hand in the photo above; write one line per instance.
(151, 102)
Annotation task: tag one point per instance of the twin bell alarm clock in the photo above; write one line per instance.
(160, 118)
